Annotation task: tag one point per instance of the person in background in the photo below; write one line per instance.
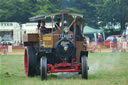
(114, 45)
(127, 34)
(1, 47)
(99, 42)
(118, 44)
(124, 45)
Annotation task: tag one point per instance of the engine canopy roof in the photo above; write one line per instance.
(43, 16)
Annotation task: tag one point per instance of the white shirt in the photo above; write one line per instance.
(127, 31)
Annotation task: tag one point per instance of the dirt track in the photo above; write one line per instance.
(21, 51)
(14, 52)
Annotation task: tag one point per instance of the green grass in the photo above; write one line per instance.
(104, 69)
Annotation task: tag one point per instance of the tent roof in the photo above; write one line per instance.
(90, 30)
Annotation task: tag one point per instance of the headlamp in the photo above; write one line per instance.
(66, 29)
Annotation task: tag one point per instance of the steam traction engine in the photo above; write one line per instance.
(61, 49)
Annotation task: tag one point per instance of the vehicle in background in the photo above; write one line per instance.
(10, 32)
(109, 39)
(6, 43)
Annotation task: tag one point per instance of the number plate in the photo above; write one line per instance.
(47, 38)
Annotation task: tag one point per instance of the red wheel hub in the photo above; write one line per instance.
(26, 63)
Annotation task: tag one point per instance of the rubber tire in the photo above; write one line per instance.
(43, 68)
(32, 60)
(84, 67)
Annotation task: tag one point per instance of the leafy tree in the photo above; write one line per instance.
(112, 11)
(21, 10)
(103, 11)
(83, 7)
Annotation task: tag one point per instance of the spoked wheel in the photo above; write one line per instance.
(30, 61)
(84, 67)
(43, 68)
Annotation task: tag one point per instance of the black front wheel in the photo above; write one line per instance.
(84, 67)
(43, 68)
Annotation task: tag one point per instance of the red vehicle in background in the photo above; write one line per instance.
(109, 39)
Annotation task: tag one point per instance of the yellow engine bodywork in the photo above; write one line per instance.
(47, 41)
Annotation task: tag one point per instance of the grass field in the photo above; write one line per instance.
(104, 69)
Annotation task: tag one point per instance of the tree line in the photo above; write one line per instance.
(97, 13)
